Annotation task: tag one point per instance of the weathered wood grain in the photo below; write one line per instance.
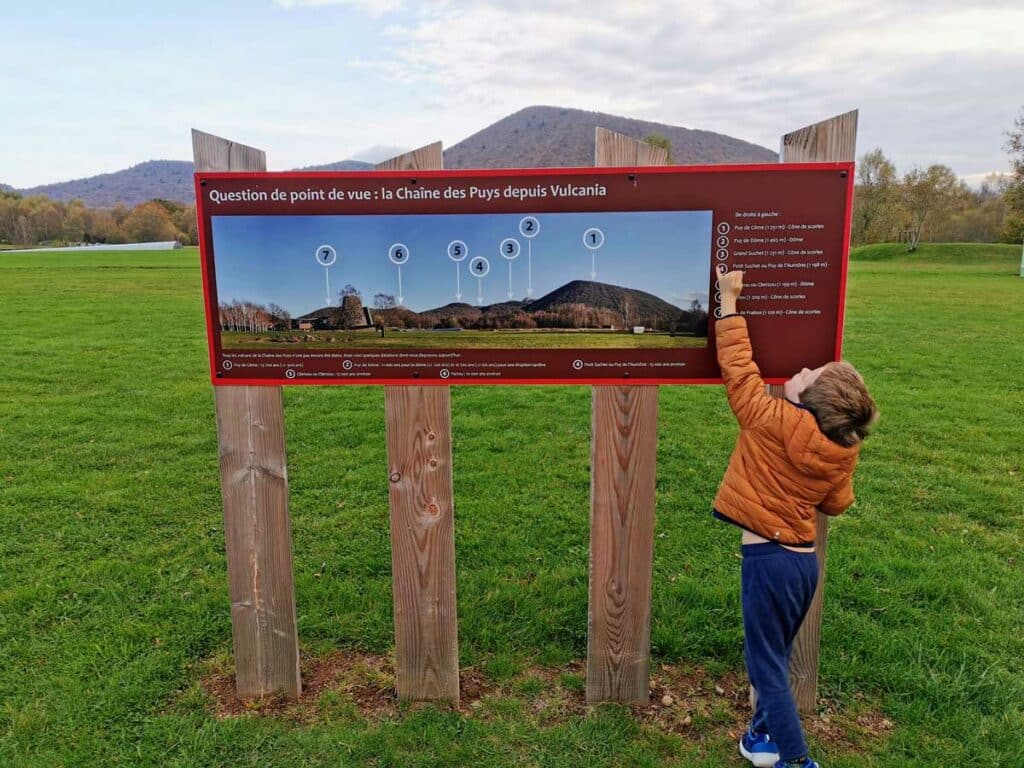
(623, 457)
(212, 153)
(426, 158)
(419, 445)
(832, 140)
(617, 149)
(254, 486)
(624, 425)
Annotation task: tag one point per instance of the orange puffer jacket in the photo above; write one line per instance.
(783, 467)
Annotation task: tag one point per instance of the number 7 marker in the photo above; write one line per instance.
(325, 257)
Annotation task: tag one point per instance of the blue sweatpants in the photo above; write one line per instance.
(777, 587)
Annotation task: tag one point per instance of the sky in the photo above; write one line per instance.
(274, 258)
(95, 87)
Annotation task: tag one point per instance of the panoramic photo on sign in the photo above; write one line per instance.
(528, 276)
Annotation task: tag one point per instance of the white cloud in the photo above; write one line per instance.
(975, 180)
(936, 81)
(378, 153)
(918, 70)
(372, 7)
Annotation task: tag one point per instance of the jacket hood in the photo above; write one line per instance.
(812, 452)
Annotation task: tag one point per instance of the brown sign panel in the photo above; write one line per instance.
(541, 276)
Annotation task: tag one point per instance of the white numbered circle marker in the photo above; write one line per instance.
(723, 228)
(457, 250)
(509, 248)
(577, 365)
(398, 253)
(722, 269)
(346, 365)
(227, 365)
(718, 313)
(289, 374)
(529, 227)
(722, 254)
(723, 241)
(593, 238)
(326, 255)
(445, 373)
(479, 266)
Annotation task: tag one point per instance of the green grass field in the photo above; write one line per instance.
(113, 593)
(470, 339)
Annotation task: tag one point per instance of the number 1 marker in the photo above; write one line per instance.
(593, 239)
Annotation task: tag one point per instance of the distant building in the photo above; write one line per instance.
(351, 315)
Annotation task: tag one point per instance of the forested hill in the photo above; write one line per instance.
(543, 137)
(530, 138)
(152, 180)
(590, 293)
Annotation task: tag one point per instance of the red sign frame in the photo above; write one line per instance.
(819, 193)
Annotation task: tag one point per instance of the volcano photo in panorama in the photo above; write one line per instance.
(555, 280)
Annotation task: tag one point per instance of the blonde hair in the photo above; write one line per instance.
(840, 402)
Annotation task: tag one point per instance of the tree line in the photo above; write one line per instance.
(931, 205)
(921, 205)
(251, 317)
(40, 220)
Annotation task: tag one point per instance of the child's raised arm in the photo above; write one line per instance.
(743, 383)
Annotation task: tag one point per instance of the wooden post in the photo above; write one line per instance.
(624, 425)
(254, 486)
(832, 140)
(419, 439)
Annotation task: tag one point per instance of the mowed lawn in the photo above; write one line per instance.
(467, 339)
(113, 592)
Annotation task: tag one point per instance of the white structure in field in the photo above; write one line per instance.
(167, 245)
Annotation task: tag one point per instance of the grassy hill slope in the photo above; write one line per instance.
(939, 253)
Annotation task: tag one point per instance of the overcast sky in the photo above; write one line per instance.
(85, 91)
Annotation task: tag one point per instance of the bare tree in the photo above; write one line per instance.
(1013, 226)
(281, 316)
(927, 195)
(625, 308)
(384, 301)
(348, 290)
(876, 205)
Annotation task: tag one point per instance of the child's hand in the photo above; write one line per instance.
(731, 284)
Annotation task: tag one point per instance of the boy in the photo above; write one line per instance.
(794, 456)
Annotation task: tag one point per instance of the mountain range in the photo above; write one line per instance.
(534, 137)
(616, 301)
